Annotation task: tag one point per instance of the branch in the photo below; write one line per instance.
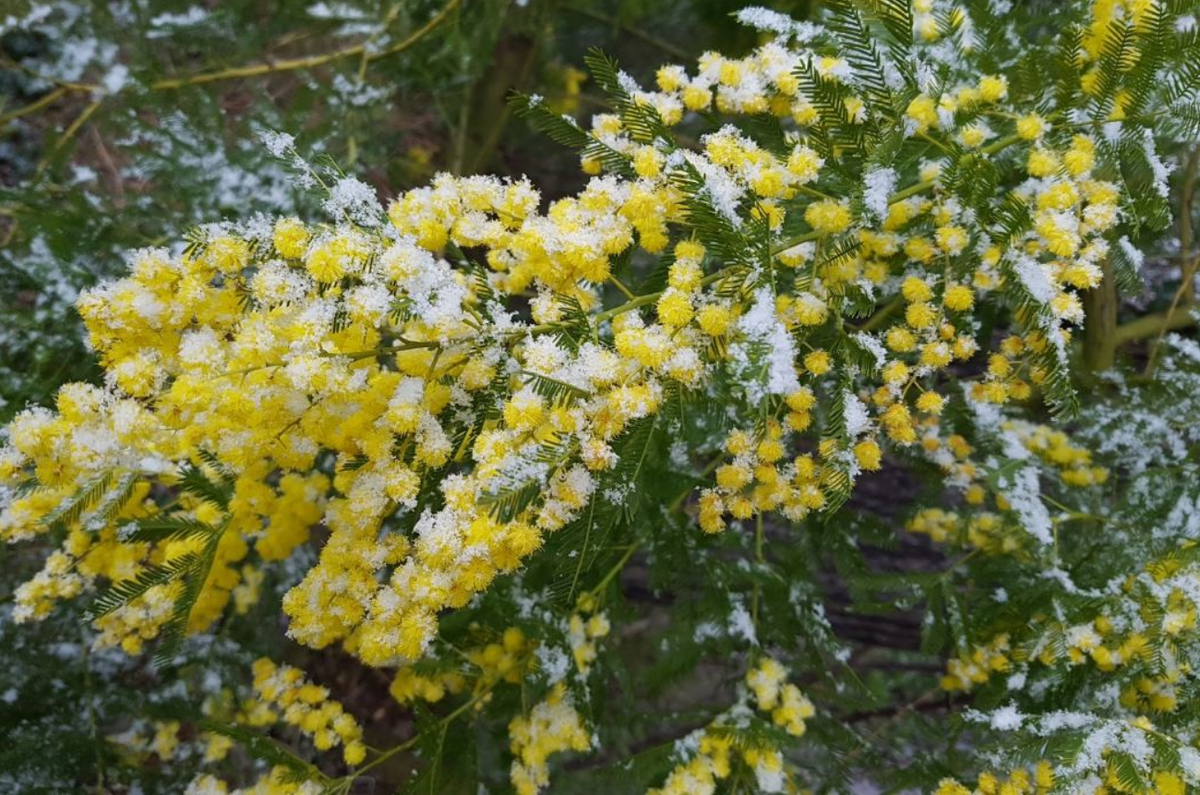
(292, 64)
(1149, 325)
(1189, 275)
(35, 106)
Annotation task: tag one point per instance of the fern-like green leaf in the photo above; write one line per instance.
(195, 482)
(265, 749)
(165, 528)
(73, 507)
(122, 593)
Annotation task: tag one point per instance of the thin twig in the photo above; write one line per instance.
(624, 290)
(35, 106)
(344, 784)
(1189, 274)
(309, 62)
(67, 136)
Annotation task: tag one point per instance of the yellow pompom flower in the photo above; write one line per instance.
(922, 111)
(1042, 163)
(952, 239)
(920, 315)
(915, 289)
(685, 274)
(935, 354)
(817, 362)
(714, 319)
(958, 298)
(804, 164)
(993, 88)
(325, 263)
(1031, 127)
(697, 97)
(524, 411)
(930, 403)
(227, 254)
(711, 510)
(895, 373)
(900, 339)
(290, 238)
(868, 455)
(674, 309)
(828, 216)
(810, 310)
(1080, 158)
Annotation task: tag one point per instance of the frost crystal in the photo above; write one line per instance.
(1007, 719)
(761, 325)
(878, 186)
(857, 419)
(769, 21)
(277, 143)
(555, 662)
(1033, 276)
(1160, 169)
(356, 200)
(741, 625)
(873, 345)
(115, 79)
(163, 24)
(719, 187)
(1135, 256)
(1024, 493)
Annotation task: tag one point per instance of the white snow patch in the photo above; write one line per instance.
(769, 21)
(878, 186)
(1024, 494)
(1036, 281)
(761, 325)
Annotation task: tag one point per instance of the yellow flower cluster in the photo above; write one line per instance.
(713, 762)
(91, 416)
(789, 708)
(139, 621)
(440, 385)
(1042, 779)
(262, 349)
(759, 478)
(700, 773)
(285, 694)
(507, 660)
(85, 555)
(584, 628)
(977, 666)
(983, 530)
(1000, 531)
(1018, 782)
(1144, 623)
(1152, 694)
(1074, 463)
(711, 748)
(409, 685)
(1094, 640)
(1105, 15)
(278, 781)
(551, 727)
(163, 741)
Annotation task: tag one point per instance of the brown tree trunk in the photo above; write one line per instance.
(1100, 309)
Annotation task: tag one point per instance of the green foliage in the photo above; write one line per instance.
(869, 630)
